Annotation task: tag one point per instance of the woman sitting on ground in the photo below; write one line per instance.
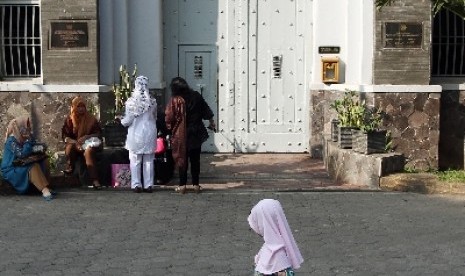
(81, 133)
(20, 144)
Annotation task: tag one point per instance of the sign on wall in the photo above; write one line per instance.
(65, 35)
(403, 35)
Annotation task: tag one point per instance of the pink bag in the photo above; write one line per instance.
(120, 176)
(160, 146)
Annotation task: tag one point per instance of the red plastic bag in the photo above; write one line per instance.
(161, 147)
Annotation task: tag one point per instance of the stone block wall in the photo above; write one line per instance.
(72, 65)
(402, 65)
(348, 167)
(47, 111)
(412, 119)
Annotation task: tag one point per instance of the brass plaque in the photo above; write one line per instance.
(403, 35)
(65, 35)
(329, 49)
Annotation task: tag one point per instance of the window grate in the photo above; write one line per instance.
(198, 67)
(448, 52)
(277, 64)
(20, 41)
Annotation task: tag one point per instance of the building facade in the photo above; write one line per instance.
(269, 69)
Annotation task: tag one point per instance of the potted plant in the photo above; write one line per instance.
(350, 112)
(369, 138)
(113, 132)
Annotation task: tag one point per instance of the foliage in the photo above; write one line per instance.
(388, 147)
(52, 161)
(122, 91)
(451, 175)
(457, 6)
(410, 170)
(353, 113)
(372, 120)
(350, 111)
(92, 108)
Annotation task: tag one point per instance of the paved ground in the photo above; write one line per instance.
(347, 231)
(109, 232)
(271, 172)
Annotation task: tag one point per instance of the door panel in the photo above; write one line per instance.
(275, 91)
(247, 59)
(197, 65)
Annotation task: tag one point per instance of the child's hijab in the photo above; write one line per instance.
(280, 250)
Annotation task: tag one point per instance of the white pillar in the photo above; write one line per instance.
(145, 40)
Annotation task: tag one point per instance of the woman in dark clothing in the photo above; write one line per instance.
(184, 114)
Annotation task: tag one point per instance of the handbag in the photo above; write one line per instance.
(161, 148)
(120, 176)
(29, 159)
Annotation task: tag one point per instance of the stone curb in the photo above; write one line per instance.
(424, 183)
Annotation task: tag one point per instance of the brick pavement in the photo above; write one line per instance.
(272, 172)
(109, 232)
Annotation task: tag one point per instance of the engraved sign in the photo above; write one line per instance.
(69, 35)
(403, 35)
(329, 49)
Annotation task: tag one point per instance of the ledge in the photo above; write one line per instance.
(40, 88)
(384, 88)
(346, 166)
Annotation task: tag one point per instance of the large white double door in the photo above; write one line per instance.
(247, 58)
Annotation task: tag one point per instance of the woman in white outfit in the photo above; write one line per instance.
(141, 116)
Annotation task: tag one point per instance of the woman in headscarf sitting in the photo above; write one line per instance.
(141, 116)
(19, 143)
(81, 133)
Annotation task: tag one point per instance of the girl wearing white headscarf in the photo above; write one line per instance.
(279, 254)
(140, 116)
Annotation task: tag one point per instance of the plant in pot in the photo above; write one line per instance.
(113, 132)
(350, 113)
(369, 138)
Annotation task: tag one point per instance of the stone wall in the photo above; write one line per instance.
(412, 119)
(73, 65)
(451, 142)
(47, 111)
(402, 65)
(345, 166)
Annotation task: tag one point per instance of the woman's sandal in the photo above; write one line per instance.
(97, 187)
(181, 189)
(197, 189)
(48, 197)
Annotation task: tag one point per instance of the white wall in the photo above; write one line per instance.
(349, 25)
(131, 34)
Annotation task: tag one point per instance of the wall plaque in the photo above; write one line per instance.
(329, 49)
(64, 35)
(403, 35)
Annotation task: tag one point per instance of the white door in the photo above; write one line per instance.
(271, 99)
(247, 59)
(197, 65)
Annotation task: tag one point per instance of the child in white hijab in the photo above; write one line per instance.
(141, 117)
(279, 254)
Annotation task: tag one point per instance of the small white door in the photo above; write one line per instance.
(197, 65)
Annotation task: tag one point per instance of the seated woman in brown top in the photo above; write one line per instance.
(81, 133)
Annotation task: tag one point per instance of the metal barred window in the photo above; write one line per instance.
(448, 55)
(20, 42)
